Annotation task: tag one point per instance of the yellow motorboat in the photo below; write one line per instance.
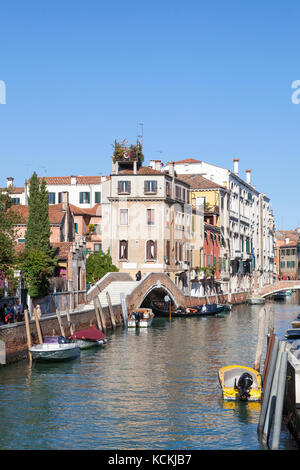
(240, 383)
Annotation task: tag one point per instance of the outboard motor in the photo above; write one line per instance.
(243, 386)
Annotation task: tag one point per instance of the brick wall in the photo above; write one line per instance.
(14, 335)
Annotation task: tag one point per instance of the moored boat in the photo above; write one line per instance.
(279, 295)
(140, 318)
(54, 349)
(190, 311)
(240, 383)
(89, 338)
(293, 333)
(255, 300)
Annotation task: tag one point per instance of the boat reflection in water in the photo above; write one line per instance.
(246, 412)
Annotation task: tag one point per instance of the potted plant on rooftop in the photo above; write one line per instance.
(124, 153)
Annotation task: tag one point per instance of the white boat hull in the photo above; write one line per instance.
(90, 344)
(54, 352)
(256, 301)
(140, 324)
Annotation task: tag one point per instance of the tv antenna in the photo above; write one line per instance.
(141, 135)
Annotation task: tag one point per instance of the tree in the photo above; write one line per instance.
(8, 220)
(97, 265)
(38, 231)
(38, 261)
(37, 267)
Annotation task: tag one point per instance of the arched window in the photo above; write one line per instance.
(123, 250)
(151, 249)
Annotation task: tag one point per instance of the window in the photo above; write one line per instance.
(150, 187)
(282, 264)
(180, 254)
(150, 216)
(76, 227)
(123, 216)
(124, 187)
(84, 198)
(97, 247)
(123, 252)
(15, 200)
(150, 250)
(97, 197)
(178, 192)
(168, 188)
(51, 198)
(168, 251)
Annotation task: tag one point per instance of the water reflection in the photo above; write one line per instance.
(153, 388)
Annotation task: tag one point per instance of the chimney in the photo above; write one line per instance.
(65, 200)
(65, 208)
(73, 179)
(9, 182)
(236, 166)
(171, 169)
(248, 176)
(156, 164)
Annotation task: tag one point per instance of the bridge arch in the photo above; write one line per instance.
(160, 290)
(278, 286)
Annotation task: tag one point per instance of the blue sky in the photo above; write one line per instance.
(209, 80)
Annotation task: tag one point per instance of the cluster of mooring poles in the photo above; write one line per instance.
(274, 379)
(99, 313)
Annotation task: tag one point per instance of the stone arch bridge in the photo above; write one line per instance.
(278, 286)
(151, 286)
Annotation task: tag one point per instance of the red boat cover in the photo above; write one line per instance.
(92, 334)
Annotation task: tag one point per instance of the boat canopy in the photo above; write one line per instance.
(92, 334)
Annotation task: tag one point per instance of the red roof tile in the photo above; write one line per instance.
(67, 179)
(198, 182)
(56, 214)
(188, 160)
(96, 210)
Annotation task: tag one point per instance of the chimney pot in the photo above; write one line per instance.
(236, 166)
(248, 176)
(9, 181)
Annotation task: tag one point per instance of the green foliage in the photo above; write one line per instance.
(209, 271)
(134, 152)
(37, 266)
(8, 220)
(97, 265)
(37, 263)
(38, 225)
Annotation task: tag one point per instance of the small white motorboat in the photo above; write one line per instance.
(140, 318)
(256, 299)
(89, 338)
(53, 349)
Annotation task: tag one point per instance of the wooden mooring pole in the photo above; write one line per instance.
(37, 324)
(27, 326)
(97, 313)
(279, 401)
(260, 339)
(69, 321)
(60, 323)
(111, 311)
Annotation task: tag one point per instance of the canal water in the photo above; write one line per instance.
(148, 389)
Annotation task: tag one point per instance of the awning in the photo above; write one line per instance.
(90, 334)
